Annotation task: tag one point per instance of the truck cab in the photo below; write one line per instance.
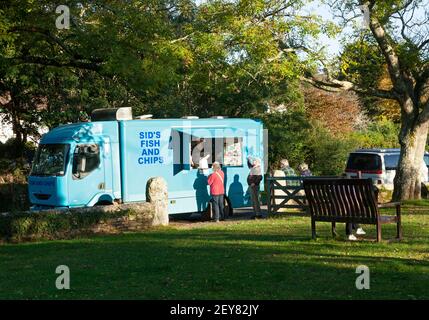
(73, 166)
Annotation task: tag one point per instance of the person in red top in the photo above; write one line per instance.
(217, 191)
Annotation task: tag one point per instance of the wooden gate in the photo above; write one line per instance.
(292, 195)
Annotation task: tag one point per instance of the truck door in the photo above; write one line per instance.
(87, 175)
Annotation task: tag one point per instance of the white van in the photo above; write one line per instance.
(379, 165)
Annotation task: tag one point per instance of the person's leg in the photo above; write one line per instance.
(257, 202)
(221, 207)
(254, 201)
(216, 208)
(349, 229)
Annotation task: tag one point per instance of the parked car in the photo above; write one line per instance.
(380, 165)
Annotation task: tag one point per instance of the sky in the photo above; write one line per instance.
(333, 46)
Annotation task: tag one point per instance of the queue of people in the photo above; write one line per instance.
(254, 178)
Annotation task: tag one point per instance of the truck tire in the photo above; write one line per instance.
(208, 214)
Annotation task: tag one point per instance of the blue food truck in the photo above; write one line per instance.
(111, 158)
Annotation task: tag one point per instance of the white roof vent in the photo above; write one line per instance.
(190, 117)
(112, 114)
(218, 117)
(145, 117)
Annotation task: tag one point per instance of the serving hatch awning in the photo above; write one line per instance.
(220, 131)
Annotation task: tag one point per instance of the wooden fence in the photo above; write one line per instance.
(291, 195)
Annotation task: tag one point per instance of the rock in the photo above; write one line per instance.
(157, 194)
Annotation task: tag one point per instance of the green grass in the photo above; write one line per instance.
(264, 259)
(419, 203)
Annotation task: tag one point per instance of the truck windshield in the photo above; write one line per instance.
(50, 160)
(364, 162)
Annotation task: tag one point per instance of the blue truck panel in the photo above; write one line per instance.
(88, 163)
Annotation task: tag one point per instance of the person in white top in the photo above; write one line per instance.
(253, 180)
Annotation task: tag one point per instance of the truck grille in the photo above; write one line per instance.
(42, 196)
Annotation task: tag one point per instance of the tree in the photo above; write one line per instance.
(362, 63)
(115, 54)
(402, 39)
(348, 116)
(169, 58)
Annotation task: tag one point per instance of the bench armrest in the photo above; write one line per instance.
(389, 205)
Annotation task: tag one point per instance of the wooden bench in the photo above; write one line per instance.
(349, 201)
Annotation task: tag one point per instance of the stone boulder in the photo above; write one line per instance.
(157, 194)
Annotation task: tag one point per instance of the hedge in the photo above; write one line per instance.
(54, 224)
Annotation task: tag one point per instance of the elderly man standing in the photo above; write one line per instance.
(217, 190)
(284, 166)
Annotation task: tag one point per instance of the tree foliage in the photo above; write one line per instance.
(400, 30)
(169, 58)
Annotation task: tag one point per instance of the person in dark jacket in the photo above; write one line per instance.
(253, 180)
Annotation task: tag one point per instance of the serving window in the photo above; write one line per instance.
(191, 151)
(205, 151)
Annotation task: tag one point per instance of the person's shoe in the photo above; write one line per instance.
(360, 231)
(351, 237)
(216, 221)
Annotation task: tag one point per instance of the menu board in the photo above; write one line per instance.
(233, 152)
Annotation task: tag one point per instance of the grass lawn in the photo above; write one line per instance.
(263, 259)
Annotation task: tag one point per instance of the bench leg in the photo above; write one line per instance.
(398, 223)
(334, 230)
(378, 232)
(313, 229)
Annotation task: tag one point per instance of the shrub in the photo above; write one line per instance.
(293, 136)
(379, 134)
(287, 136)
(52, 224)
(327, 153)
(10, 150)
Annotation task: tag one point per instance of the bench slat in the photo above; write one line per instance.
(348, 198)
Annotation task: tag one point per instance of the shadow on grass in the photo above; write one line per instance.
(210, 263)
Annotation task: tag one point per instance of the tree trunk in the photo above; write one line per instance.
(407, 182)
(19, 136)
